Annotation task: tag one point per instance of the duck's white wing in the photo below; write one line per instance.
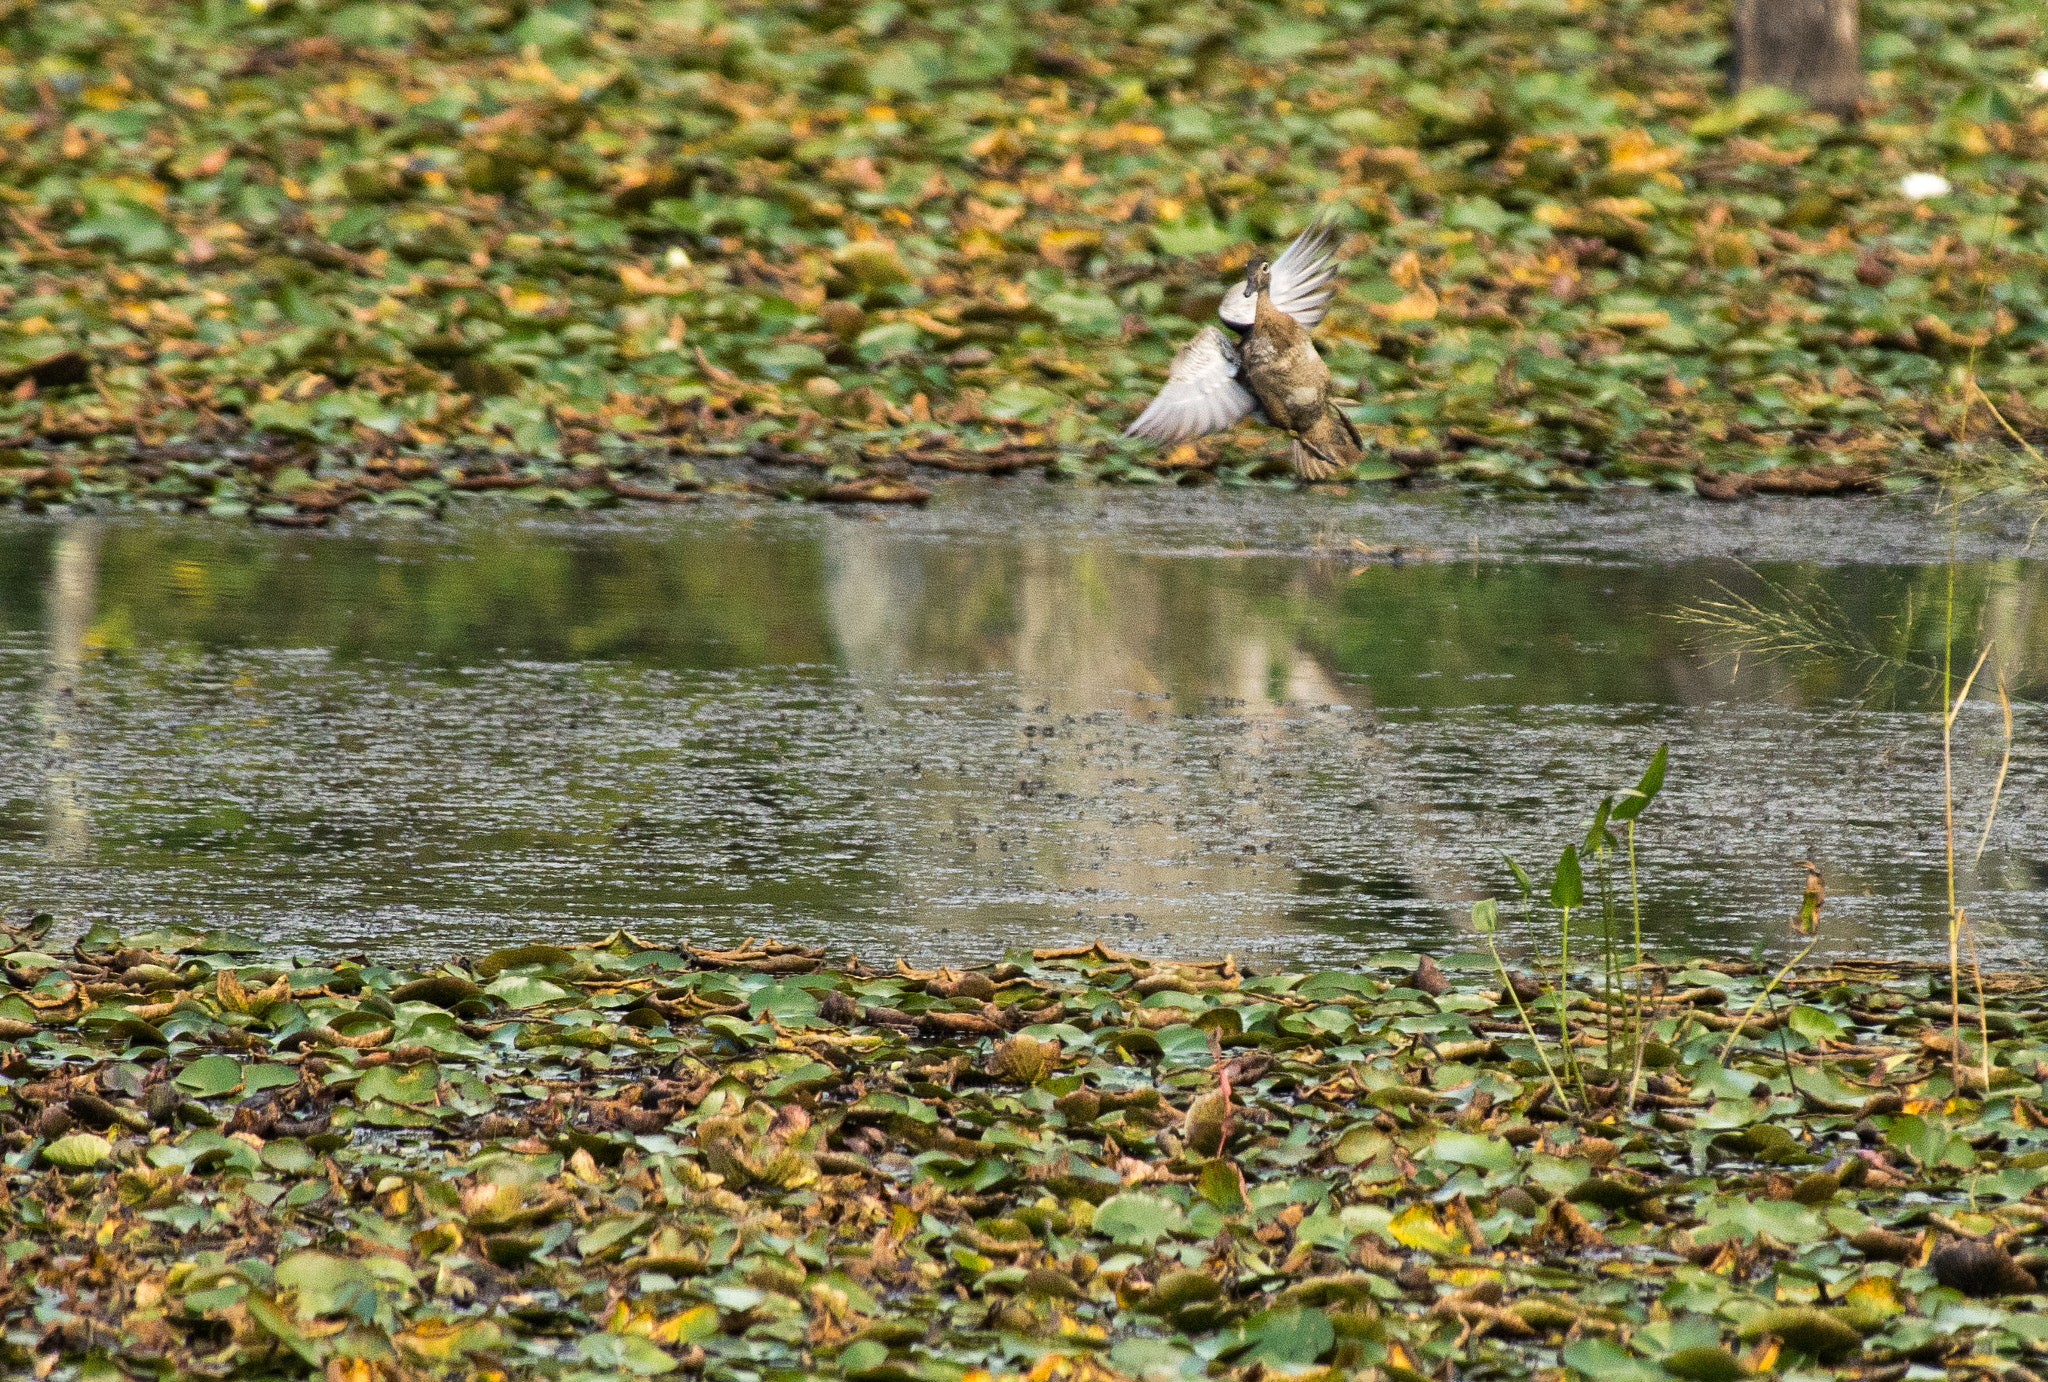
(1304, 277)
(1202, 393)
(1303, 280)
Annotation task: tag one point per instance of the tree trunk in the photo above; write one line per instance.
(1805, 46)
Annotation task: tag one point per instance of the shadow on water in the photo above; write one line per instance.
(942, 737)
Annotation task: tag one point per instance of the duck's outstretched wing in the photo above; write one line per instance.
(1202, 393)
(1303, 280)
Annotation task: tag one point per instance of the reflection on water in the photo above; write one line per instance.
(74, 572)
(896, 736)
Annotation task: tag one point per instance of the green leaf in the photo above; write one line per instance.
(1136, 1218)
(1486, 916)
(1331, 1019)
(1190, 237)
(1325, 985)
(862, 1356)
(209, 1077)
(1813, 1024)
(1150, 1359)
(273, 1321)
(1472, 1149)
(280, 415)
(608, 1234)
(1279, 40)
(1566, 886)
(1754, 104)
(879, 344)
(1522, 879)
(628, 1352)
(1290, 1339)
(1933, 1144)
(1184, 1044)
(1645, 791)
(782, 361)
(1329, 1230)
(783, 1000)
(550, 957)
(260, 1077)
(1025, 402)
(1222, 1184)
(1820, 1083)
(741, 1033)
(288, 1154)
(81, 1151)
(1596, 833)
(1603, 1361)
(1730, 1113)
(1715, 1079)
(1089, 314)
(410, 1085)
(1361, 1144)
(525, 991)
(909, 68)
(1476, 213)
(881, 1101)
(327, 1285)
(137, 233)
(810, 1075)
(1740, 1217)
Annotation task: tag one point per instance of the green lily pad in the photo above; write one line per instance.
(210, 1077)
(81, 1151)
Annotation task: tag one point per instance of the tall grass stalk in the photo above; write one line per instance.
(1527, 887)
(1627, 807)
(1598, 841)
(1983, 1016)
(1635, 896)
(1486, 921)
(1568, 890)
(1951, 708)
(1776, 979)
(2004, 764)
(1797, 624)
(1971, 393)
(1569, 1052)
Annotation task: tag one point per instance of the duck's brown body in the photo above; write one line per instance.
(1292, 384)
(1271, 372)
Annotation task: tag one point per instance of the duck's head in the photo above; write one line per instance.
(1241, 304)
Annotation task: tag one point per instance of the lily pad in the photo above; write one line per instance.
(81, 1151)
(210, 1077)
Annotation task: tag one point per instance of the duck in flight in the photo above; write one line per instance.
(1271, 371)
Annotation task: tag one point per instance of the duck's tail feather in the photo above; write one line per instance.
(1311, 464)
(1332, 445)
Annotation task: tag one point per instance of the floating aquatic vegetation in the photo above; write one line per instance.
(279, 258)
(614, 1159)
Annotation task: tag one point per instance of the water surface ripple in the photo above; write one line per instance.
(1189, 723)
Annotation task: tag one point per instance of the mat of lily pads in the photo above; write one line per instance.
(284, 256)
(617, 1160)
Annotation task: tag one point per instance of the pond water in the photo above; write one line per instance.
(1192, 723)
